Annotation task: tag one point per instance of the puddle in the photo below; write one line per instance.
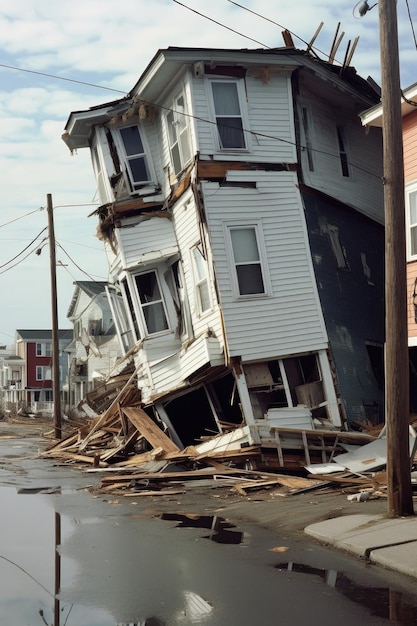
(221, 531)
(382, 602)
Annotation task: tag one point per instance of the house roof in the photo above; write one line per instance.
(373, 116)
(165, 66)
(36, 335)
(91, 287)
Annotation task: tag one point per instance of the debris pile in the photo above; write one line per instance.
(136, 455)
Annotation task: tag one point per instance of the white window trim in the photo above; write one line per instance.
(173, 108)
(260, 240)
(40, 372)
(243, 112)
(100, 166)
(137, 306)
(198, 282)
(43, 348)
(409, 189)
(123, 158)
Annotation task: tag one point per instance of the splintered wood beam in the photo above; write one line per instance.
(310, 45)
(147, 427)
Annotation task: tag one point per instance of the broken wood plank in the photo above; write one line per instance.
(151, 431)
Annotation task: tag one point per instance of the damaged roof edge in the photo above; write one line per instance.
(166, 63)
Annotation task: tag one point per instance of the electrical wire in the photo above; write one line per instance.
(74, 263)
(21, 217)
(24, 249)
(69, 80)
(411, 23)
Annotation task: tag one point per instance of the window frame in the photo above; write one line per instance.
(242, 101)
(181, 129)
(200, 281)
(410, 190)
(262, 259)
(343, 151)
(41, 348)
(134, 186)
(40, 373)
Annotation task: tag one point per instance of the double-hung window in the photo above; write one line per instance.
(177, 122)
(44, 349)
(137, 164)
(40, 372)
(411, 221)
(247, 260)
(151, 302)
(228, 114)
(201, 279)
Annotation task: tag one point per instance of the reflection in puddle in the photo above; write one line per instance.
(220, 529)
(383, 602)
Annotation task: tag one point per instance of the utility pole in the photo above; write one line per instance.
(55, 332)
(400, 498)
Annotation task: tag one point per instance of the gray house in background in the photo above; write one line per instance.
(242, 213)
(95, 347)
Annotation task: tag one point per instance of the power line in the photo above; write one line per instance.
(21, 217)
(69, 80)
(220, 24)
(24, 250)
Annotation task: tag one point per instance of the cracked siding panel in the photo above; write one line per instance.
(289, 320)
(147, 240)
(188, 232)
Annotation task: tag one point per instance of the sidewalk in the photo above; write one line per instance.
(388, 542)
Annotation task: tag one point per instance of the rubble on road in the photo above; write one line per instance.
(135, 455)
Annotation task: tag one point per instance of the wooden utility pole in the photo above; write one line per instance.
(55, 331)
(400, 499)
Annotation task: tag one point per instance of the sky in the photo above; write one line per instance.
(58, 57)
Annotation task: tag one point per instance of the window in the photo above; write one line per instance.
(136, 159)
(40, 372)
(99, 173)
(411, 203)
(201, 279)
(178, 134)
(44, 349)
(342, 152)
(151, 302)
(247, 260)
(228, 114)
(307, 136)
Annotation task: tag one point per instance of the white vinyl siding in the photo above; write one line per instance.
(269, 110)
(290, 319)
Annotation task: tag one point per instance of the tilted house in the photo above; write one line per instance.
(95, 347)
(242, 215)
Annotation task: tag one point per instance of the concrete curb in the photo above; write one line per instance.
(388, 542)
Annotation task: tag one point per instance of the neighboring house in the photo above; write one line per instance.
(373, 118)
(27, 375)
(242, 214)
(95, 347)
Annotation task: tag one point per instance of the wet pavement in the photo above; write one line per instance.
(70, 556)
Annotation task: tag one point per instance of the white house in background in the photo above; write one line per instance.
(95, 347)
(242, 217)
